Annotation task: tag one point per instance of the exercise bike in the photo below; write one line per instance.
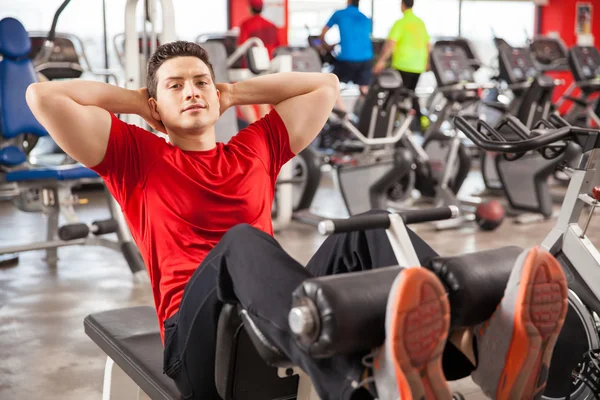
(575, 367)
(441, 163)
(525, 182)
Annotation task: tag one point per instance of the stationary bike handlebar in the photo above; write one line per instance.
(490, 139)
(495, 141)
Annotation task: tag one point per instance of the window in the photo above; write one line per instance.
(35, 15)
(492, 18)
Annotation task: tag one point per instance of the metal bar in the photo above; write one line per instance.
(105, 37)
(401, 244)
(387, 140)
(40, 246)
(460, 5)
(241, 51)
(450, 161)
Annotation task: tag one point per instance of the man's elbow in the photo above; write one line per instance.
(35, 94)
(332, 84)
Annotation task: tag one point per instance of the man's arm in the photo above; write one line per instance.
(332, 21)
(322, 35)
(428, 65)
(386, 53)
(75, 114)
(303, 100)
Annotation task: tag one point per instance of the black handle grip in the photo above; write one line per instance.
(356, 223)
(104, 227)
(429, 215)
(73, 231)
(382, 220)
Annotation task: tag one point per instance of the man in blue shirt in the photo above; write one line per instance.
(355, 61)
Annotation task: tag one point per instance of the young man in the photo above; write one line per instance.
(265, 30)
(194, 201)
(355, 61)
(408, 41)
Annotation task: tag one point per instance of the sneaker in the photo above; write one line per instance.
(515, 345)
(409, 365)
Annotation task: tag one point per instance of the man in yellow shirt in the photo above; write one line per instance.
(408, 41)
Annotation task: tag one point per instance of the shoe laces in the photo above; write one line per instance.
(369, 361)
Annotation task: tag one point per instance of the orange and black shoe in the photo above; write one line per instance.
(515, 345)
(409, 365)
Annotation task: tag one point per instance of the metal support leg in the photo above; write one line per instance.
(128, 246)
(306, 390)
(284, 199)
(117, 384)
(52, 208)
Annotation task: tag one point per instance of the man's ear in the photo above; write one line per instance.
(154, 109)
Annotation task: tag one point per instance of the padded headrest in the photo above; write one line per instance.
(14, 41)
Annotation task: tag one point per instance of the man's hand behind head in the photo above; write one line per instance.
(225, 98)
(147, 113)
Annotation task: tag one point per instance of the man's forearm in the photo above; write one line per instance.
(89, 93)
(275, 88)
(387, 51)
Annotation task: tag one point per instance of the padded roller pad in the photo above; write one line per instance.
(131, 338)
(58, 174)
(475, 282)
(351, 309)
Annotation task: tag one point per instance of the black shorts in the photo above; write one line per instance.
(359, 73)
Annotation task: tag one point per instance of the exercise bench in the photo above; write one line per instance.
(130, 338)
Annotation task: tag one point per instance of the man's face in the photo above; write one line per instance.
(187, 100)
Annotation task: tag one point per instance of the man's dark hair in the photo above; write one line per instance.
(354, 2)
(408, 3)
(171, 50)
(256, 10)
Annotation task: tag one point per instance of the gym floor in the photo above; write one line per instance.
(44, 350)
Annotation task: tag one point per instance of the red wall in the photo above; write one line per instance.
(559, 16)
(239, 10)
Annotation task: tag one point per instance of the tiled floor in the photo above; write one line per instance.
(44, 352)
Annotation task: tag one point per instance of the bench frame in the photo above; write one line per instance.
(119, 386)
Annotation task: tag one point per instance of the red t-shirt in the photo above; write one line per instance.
(257, 26)
(178, 204)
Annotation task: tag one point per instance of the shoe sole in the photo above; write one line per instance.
(419, 328)
(539, 314)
